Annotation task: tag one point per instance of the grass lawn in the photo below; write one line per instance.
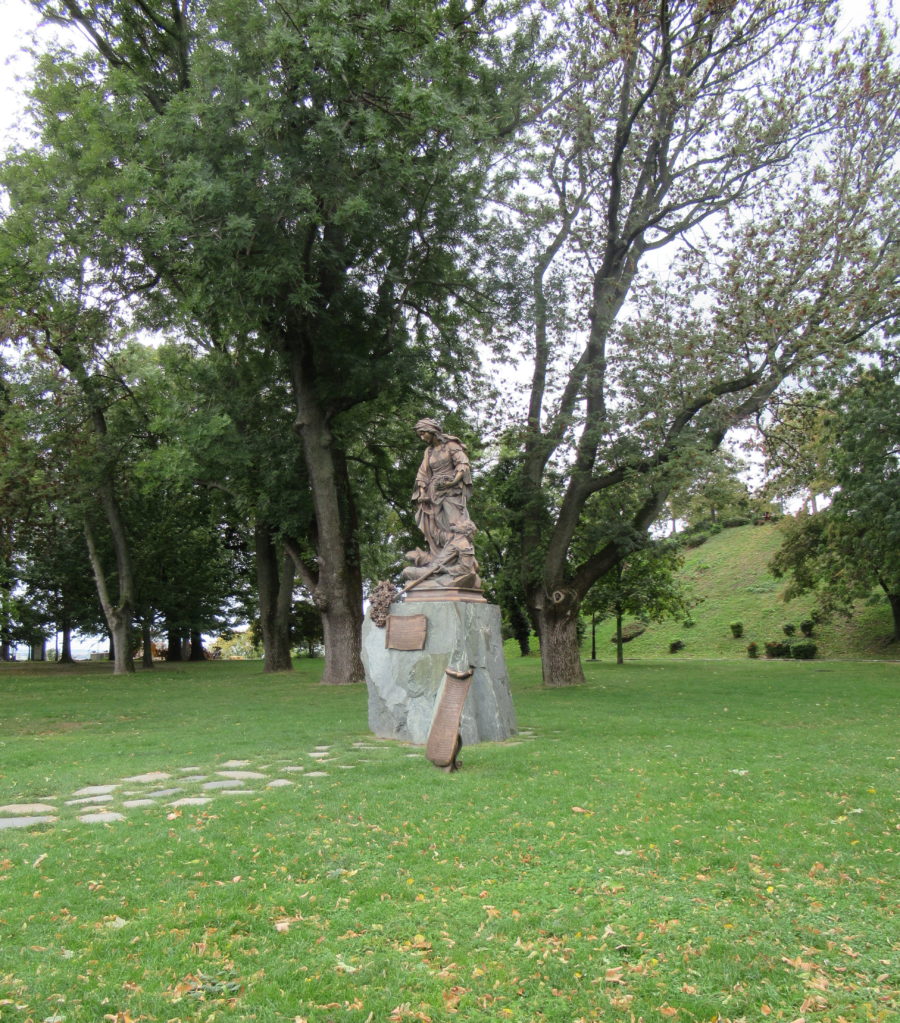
(673, 841)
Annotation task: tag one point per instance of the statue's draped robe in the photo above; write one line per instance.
(437, 511)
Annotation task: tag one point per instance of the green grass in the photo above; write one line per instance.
(729, 575)
(673, 840)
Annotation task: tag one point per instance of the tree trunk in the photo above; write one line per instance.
(560, 650)
(620, 646)
(146, 644)
(275, 587)
(66, 656)
(197, 651)
(338, 593)
(593, 637)
(173, 641)
(894, 601)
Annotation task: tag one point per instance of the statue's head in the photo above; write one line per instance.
(427, 428)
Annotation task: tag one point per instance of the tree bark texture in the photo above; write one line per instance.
(560, 649)
(118, 616)
(338, 592)
(275, 586)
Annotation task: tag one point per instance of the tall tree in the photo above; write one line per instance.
(307, 182)
(742, 136)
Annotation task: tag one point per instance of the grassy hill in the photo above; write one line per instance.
(729, 574)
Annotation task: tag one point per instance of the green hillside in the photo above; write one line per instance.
(729, 575)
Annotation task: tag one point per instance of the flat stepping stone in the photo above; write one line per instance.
(318, 754)
(279, 783)
(89, 799)
(133, 804)
(107, 817)
(161, 793)
(322, 749)
(149, 776)
(24, 822)
(236, 763)
(236, 792)
(239, 775)
(191, 801)
(194, 777)
(27, 808)
(223, 784)
(96, 790)
(316, 774)
(189, 770)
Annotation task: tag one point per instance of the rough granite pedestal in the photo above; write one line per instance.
(404, 685)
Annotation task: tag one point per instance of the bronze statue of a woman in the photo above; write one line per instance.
(443, 486)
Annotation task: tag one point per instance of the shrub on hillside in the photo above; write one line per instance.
(676, 645)
(778, 649)
(804, 650)
(737, 629)
(735, 521)
(789, 629)
(753, 650)
(807, 626)
(692, 540)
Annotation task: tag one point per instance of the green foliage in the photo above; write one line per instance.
(803, 650)
(753, 650)
(737, 629)
(676, 645)
(842, 553)
(807, 626)
(789, 629)
(777, 648)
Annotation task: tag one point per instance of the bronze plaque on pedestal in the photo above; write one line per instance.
(406, 632)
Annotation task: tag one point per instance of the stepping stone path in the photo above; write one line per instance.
(193, 785)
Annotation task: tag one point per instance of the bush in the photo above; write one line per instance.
(807, 626)
(790, 629)
(692, 540)
(753, 650)
(737, 629)
(736, 520)
(688, 623)
(676, 645)
(778, 649)
(804, 650)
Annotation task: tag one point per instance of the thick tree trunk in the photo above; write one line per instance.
(65, 656)
(338, 593)
(173, 643)
(197, 651)
(146, 644)
(560, 649)
(275, 587)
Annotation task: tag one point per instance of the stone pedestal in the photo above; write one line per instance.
(404, 685)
